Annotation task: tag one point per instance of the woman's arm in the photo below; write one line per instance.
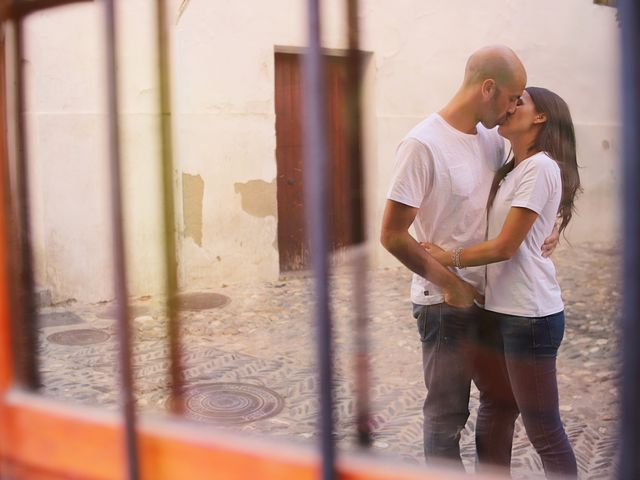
(395, 237)
(516, 226)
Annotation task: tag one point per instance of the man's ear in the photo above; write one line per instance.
(488, 88)
(540, 118)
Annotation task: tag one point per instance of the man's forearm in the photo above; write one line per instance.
(409, 252)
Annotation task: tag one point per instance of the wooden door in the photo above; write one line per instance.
(292, 244)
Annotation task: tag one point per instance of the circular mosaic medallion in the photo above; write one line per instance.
(231, 403)
(196, 301)
(78, 337)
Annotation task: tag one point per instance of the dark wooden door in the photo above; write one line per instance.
(292, 244)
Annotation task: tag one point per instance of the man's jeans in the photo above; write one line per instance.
(529, 348)
(448, 338)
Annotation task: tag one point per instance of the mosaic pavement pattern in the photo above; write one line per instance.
(251, 355)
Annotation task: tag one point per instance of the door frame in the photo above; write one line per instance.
(369, 149)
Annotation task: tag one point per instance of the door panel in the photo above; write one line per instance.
(292, 244)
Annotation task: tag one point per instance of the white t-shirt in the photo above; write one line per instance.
(526, 285)
(447, 175)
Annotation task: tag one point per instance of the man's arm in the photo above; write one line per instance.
(395, 237)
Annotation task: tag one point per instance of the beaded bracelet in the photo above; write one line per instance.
(456, 257)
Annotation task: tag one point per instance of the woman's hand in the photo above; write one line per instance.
(442, 256)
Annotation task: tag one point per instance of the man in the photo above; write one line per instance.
(445, 167)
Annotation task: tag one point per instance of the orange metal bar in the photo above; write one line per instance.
(85, 443)
(6, 361)
(6, 367)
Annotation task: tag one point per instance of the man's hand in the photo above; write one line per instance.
(551, 242)
(460, 294)
(395, 237)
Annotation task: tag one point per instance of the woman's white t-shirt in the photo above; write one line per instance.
(526, 285)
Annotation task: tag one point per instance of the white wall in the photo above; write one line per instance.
(68, 156)
(223, 59)
(570, 47)
(68, 149)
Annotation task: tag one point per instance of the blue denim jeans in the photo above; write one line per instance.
(529, 346)
(448, 337)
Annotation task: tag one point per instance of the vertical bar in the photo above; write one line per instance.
(358, 236)
(316, 208)
(24, 308)
(119, 258)
(354, 99)
(6, 347)
(171, 286)
(630, 460)
(22, 304)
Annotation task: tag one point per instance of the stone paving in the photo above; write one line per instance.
(249, 361)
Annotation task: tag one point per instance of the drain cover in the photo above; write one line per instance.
(58, 319)
(78, 337)
(231, 403)
(202, 300)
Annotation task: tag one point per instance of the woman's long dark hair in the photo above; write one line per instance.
(558, 140)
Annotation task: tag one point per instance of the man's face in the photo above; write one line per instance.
(502, 104)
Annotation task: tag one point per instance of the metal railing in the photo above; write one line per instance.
(23, 298)
(316, 184)
(630, 423)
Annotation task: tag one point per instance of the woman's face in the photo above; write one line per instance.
(522, 120)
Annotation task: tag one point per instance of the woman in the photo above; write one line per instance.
(522, 295)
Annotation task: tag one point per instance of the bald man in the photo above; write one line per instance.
(444, 170)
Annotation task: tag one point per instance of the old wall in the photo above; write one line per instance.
(223, 73)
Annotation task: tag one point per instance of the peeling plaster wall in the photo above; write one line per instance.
(258, 197)
(192, 195)
(224, 122)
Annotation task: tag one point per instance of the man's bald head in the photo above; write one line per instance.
(496, 62)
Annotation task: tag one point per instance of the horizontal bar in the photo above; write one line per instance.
(83, 442)
(23, 8)
(332, 52)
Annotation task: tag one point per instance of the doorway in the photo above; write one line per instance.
(292, 244)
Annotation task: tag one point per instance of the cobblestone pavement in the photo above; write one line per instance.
(249, 363)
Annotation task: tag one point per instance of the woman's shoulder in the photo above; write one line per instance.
(543, 162)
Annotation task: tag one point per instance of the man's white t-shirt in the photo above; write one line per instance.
(526, 284)
(447, 175)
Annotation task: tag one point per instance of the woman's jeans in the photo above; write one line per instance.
(529, 346)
